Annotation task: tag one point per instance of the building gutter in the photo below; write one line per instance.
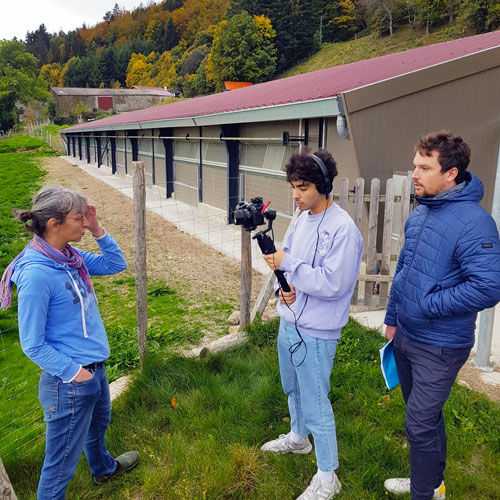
(317, 108)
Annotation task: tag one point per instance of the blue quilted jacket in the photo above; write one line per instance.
(448, 269)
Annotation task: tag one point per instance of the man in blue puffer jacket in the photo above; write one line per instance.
(448, 271)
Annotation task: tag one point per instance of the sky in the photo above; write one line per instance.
(20, 16)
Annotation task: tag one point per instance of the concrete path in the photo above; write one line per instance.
(207, 223)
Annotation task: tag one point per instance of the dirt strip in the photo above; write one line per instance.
(195, 270)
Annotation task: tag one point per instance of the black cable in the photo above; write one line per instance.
(295, 347)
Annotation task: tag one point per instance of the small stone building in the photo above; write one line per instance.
(118, 100)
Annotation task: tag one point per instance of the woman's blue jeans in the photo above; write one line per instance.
(307, 385)
(77, 416)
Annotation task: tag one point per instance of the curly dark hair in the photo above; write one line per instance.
(302, 166)
(453, 151)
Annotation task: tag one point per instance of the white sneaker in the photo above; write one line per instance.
(319, 490)
(284, 445)
(400, 485)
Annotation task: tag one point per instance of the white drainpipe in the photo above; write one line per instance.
(487, 317)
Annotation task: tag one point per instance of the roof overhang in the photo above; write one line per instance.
(421, 79)
(317, 108)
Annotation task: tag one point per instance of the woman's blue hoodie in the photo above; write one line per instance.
(60, 327)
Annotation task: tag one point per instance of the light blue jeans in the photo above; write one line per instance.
(307, 387)
(77, 416)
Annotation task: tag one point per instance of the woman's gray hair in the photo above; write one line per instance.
(53, 202)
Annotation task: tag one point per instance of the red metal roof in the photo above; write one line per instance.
(310, 86)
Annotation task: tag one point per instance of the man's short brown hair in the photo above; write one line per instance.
(453, 151)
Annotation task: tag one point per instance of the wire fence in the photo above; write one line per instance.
(192, 247)
(21, 422)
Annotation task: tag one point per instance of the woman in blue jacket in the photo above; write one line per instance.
(61, 330)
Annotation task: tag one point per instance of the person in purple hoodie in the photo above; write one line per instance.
(321, 259)
(61, 330)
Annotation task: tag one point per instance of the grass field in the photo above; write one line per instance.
(173, 321)
(20, 176)
(333, 54)
(206, 445)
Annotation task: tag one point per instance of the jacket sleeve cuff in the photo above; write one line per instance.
(69, 374)
(103, 236)
(390, 320)
(286, 263)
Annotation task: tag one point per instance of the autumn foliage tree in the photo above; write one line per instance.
(242, 50)
(153, 70)
(197, 44)
(51, 73)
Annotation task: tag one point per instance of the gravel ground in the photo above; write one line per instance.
(192, 268)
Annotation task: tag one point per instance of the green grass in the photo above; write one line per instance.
(52, 129)
(173, 322)
(333, 54)
(23, 142)
(20, 177)
(231, 402)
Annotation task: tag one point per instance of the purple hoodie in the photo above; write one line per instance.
(323, 289)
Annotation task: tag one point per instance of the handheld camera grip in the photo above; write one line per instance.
(267, 247)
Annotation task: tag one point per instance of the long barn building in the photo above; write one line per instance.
(221, 148)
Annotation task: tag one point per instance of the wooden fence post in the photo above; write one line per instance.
(359, 194)
(344, 193)
(405, 209)
(6, 489)
(371, 244)
(245, 278)
(268, 287)
(141, 283)
(385, 263)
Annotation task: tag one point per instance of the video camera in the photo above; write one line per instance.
(251, 214)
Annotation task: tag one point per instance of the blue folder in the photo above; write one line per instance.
(388, 365)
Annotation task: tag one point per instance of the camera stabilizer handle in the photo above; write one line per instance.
(267, 247)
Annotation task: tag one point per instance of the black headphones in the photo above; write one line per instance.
(327, 186)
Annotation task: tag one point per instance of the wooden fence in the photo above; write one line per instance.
(387, 233)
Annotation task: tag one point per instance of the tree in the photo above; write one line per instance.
(243, 50)
(106, 66)
(295, 23)
(77, 73)
(154, 32)
(163, 71)
(122, 57)
(192, 61)
(345, 23)
(172, 4)
(38, 44)
(474, 14)
(51, 73)
(139, 69)
(387, 16)
(389, 7)
(171, 36)
(19, 82)
(56, 48)
(73, 46)
(431, 13)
